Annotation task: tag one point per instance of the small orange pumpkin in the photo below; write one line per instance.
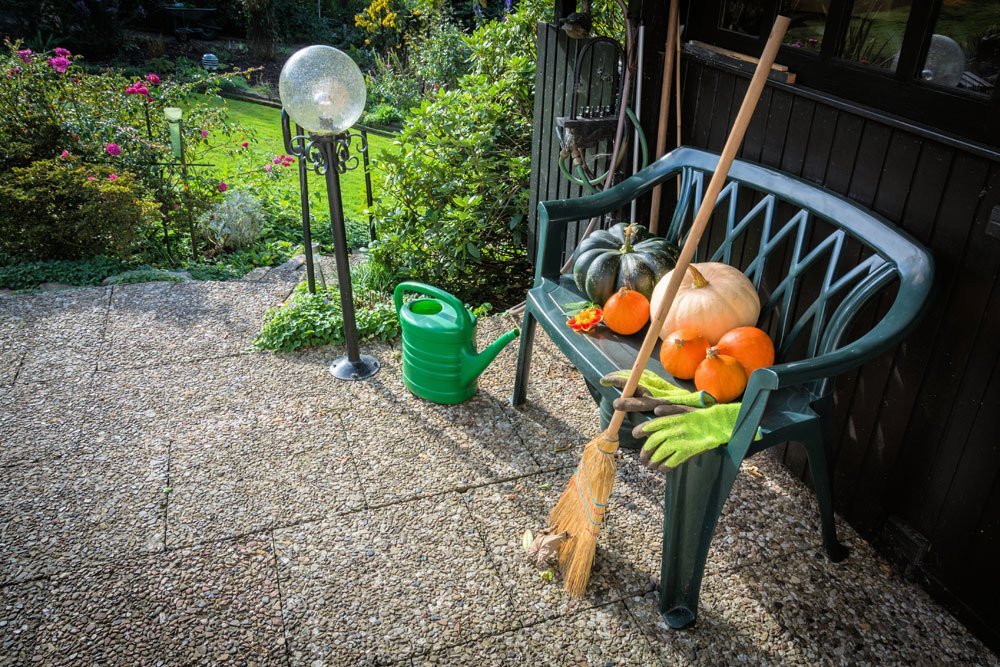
(721, 376)
(626, 311)
(748, 345)
(682, 351)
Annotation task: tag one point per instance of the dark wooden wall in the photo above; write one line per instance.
(917, 430)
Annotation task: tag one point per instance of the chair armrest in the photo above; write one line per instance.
(554, 213)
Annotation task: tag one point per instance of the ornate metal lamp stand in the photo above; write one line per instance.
(311, 88)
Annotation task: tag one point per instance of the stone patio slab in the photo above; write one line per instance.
(43, 420)
(81, 509)
(782, 612)
(607, 635)
(236, 481)
(21, 608)
(59, 334)
(382, 585)
(184, 321)
(202, 606)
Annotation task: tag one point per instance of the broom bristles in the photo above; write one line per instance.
(580, 512)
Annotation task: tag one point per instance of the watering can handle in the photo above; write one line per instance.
(429, 290)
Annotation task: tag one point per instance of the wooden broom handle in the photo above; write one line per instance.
(704, 213)
(661, 129)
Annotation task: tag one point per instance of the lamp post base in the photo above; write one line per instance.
(362, 369)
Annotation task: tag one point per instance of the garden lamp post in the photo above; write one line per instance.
(323, 92)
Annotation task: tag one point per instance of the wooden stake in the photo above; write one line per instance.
(669, 55)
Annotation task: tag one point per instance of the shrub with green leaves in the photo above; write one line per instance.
(455, 188)
(26, 275)
(62, 209)
(311, 320)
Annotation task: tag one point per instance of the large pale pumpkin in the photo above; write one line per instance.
(713, 298)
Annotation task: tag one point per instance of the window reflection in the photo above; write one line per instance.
(744, 16)
(964, 51)
(875, 33)
(808, 21)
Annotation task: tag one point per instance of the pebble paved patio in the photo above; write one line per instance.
(170, 497)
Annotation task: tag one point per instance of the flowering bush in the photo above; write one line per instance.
(63, 209)
(112, 128)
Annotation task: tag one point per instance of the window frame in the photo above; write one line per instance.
(902, 93)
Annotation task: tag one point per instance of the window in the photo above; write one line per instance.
(935, 62)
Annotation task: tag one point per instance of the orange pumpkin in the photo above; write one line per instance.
(682, 351)
(626, 311)
(721, 376)
(748, 345)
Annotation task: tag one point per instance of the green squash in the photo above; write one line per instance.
(622, 256)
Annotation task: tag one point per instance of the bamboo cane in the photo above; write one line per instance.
(580, 510)
(677, 93)
(669, 53)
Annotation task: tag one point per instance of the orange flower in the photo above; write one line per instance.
(586, 319)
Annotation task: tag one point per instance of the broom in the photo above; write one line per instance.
(580, 510)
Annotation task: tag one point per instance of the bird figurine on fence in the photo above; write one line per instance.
(577, 25)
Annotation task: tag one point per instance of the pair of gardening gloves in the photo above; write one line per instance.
(687, 423)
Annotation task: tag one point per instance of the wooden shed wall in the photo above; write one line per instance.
(918, 430)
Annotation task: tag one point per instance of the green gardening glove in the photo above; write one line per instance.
(653, 386)
(673, 440)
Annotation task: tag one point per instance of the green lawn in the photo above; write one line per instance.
(265, 121)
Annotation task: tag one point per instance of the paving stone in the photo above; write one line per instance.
(59, 334)
(81, 509)
(802, 609)
(232, 482)
(184, 321)
(385, 584)
(502, 513)
(43, 420)
(606, 635)
(20, 613)
(208, 605)
(169, 402)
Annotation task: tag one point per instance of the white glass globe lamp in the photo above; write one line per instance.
(322, 90)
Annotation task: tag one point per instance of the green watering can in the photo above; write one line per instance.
(440, 362)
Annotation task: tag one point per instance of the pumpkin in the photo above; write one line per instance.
(682, 351)
(626, 311)
(713, 298)
(622, 256)
(721, 376)
(748, 345)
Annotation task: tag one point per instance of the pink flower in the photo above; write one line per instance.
(276, 160)
(204, 134)
(59, 64)
(64, 154)
(222, 186)
(114, 150)
(268, 167)
(245, 144)
(62, 53)
(153, 79)
(91, 178)
(13, 71)
(25, 55)
(130, 90)
(112, 177)
(142, 90)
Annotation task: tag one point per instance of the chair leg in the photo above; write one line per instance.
(820, 452)
(693, 499)
(524, 358)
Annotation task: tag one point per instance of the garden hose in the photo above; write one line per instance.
(588, 184)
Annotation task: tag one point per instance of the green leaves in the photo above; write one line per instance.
(310, 320)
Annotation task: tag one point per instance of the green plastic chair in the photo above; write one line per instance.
(820, 261)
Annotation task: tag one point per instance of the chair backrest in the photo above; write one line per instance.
(818, 259)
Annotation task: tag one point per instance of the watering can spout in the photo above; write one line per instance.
(474, 364)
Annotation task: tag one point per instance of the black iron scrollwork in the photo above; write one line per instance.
(310, 147)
